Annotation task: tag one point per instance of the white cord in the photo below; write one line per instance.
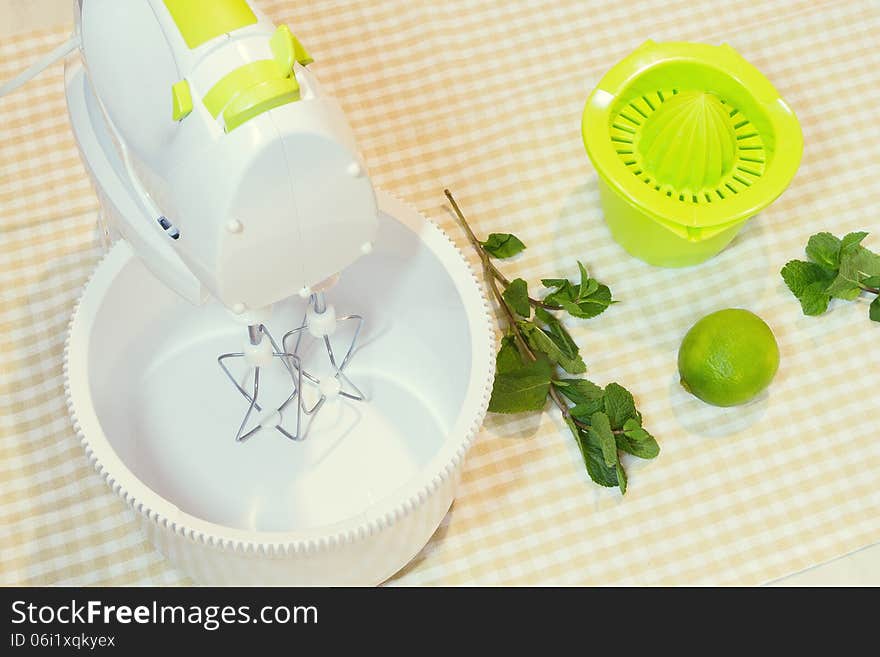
(39, 66)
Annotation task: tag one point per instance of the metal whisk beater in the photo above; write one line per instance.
(319, 322)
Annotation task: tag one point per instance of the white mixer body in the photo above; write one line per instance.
(252, 201)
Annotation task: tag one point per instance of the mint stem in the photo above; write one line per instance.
(488, 266)
(493, 276)
(535, 303)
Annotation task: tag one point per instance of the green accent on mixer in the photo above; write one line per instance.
(259, 99)
(288, 50)
(200, 21)
(250, 90)
(689, 141)
(181, 100)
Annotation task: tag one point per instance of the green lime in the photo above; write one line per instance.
(728, 358)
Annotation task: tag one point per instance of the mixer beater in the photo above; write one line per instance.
(320, 322)
(258, 354)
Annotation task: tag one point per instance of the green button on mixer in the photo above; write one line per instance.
(288, 51)
(261, 98)
(181, 100)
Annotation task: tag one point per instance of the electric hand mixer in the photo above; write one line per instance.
(232, 174)
(236, 184)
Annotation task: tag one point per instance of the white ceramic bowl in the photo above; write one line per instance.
(362, 495)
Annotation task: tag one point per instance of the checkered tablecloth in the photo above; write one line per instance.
(485, 97)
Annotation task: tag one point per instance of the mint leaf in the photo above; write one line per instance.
(557, 331)
(857, 263)
(824, 250)
(798, 275)
(557, 352)
(645, 449)
(874, 311)
(588, 285)
(851, 241)
(572, 362)
(589, 289)
(579, 391)
(517, 297)
(636, 441)
(840, 269)
(600, 430)
(554, 282)
(586, 300)
(847, 285)
(853, 262)
(583, 412)
(522, 389)
(509, 358)
(620, 405)
(814, 299)
(621, 478)
(503, 245)
(591, 306)
(564, 292)
(545, 315)
(594, 461)
(808, 282)
(601, 297)
(865, 262)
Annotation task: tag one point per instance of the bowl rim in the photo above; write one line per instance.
(443, 466)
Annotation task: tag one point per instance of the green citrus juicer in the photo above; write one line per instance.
(690, 141)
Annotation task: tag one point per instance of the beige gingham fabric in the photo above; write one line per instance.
(485, 97)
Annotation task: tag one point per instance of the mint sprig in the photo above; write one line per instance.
(502, 245)
(537, 349)
(837, 269)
